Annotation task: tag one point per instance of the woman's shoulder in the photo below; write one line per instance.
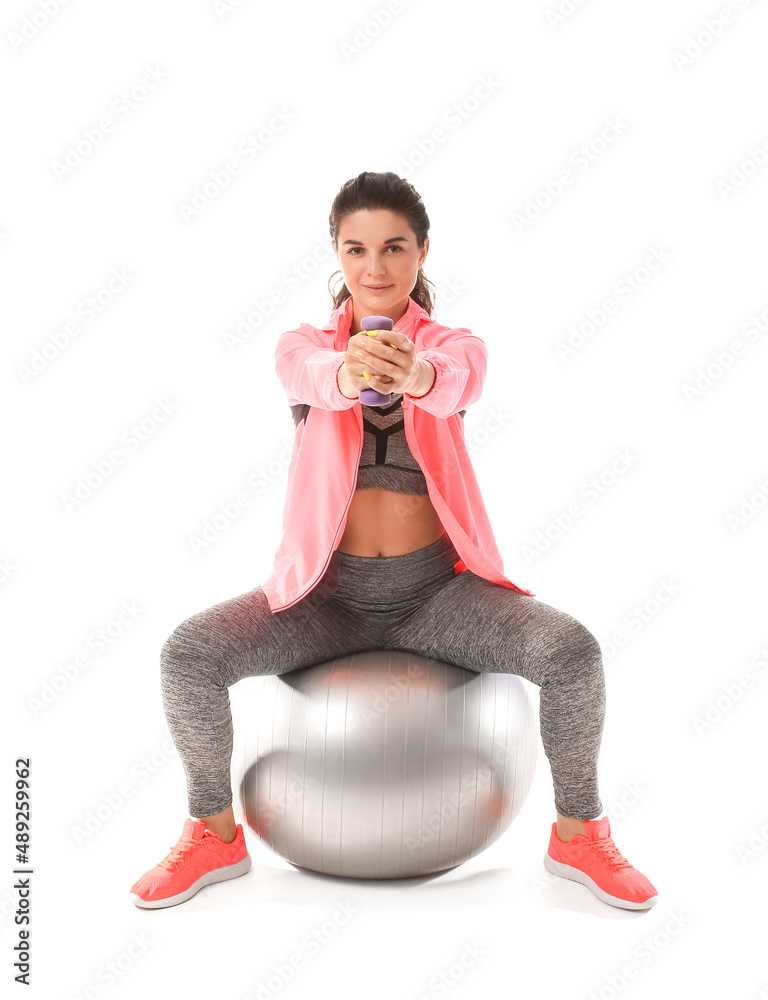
(431, 329)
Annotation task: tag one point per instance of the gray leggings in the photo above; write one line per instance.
(413, 602)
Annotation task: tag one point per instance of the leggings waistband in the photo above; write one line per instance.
(405, 573)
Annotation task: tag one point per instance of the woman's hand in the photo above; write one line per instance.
(392, 368)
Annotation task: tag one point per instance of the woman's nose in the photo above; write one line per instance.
(375, 265)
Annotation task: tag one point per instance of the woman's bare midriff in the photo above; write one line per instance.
(383, 523)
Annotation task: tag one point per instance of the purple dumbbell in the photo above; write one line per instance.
(371, 397)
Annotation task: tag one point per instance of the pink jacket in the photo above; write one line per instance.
(328, 444)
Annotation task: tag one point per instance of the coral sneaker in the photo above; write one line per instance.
(595, 861)
(198, 858)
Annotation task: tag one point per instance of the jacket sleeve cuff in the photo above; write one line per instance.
(445, 386)
(341, 402)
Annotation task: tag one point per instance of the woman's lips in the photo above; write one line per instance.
(378, 288)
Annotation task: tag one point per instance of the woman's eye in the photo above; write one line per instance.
(392, 246)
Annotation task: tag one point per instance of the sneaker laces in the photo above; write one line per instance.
(184, 845)
(610, 853)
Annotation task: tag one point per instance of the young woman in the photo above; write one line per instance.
(385, 546)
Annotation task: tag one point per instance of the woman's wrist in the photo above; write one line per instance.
(420, 386)
(425, 379)
(342, 379)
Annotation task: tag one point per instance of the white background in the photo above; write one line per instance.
(687, 802)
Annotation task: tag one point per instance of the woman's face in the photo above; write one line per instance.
(379, 248)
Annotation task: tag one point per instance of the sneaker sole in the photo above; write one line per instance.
(217, 875)
(576, 875)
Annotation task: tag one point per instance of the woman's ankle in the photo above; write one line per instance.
(569, 827)
(222, 824)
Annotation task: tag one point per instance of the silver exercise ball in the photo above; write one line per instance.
(384, 764)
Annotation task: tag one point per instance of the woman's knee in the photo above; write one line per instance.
(189, 651)
(575, 648)
(585, 643)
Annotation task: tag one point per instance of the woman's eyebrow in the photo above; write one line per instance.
(392, 239)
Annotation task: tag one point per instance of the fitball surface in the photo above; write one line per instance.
(384, 764)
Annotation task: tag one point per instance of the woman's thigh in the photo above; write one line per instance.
(480, 625)
(241, 637)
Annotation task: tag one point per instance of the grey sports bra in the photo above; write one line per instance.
(386, 461)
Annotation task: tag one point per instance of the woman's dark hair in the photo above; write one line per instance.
(386, 190)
